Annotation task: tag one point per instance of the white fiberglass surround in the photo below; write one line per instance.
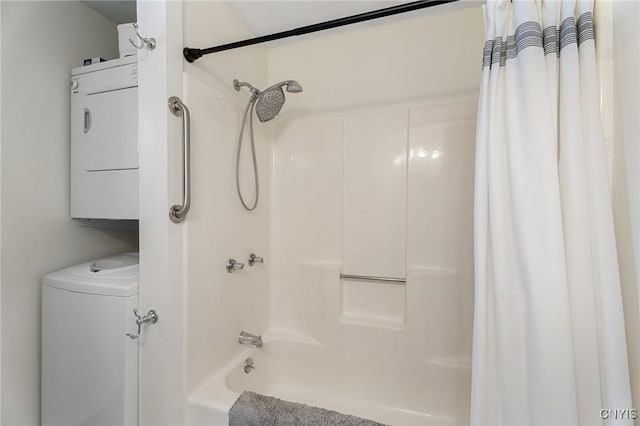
(293, 369)
(368, 171)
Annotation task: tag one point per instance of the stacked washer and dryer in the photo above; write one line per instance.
(89, 349)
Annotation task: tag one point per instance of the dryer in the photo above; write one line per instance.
(104, 135)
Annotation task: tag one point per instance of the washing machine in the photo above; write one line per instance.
(89, 364)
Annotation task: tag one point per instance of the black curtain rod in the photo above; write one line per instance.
(191, 54)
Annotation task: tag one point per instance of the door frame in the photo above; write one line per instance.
(162, 388)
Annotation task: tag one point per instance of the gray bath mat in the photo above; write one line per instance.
(252, 409)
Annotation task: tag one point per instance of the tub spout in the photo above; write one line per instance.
(250, 339)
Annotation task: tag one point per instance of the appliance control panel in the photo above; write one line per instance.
(105, 80)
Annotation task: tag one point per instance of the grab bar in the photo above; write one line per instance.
(372, 278)
(177, 213)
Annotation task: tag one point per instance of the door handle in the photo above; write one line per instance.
(87, 120)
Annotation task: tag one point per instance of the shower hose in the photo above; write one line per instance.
(248, 110)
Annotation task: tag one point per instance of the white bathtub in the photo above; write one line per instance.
(307, 372)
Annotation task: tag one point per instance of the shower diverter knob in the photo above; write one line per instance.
(233, 265)
(254, 259)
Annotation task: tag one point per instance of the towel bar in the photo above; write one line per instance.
(372, 278)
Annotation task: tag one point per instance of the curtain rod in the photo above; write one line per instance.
(192, 54)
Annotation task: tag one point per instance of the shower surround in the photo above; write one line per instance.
(369, 171)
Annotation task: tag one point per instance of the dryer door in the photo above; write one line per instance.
(110, 130)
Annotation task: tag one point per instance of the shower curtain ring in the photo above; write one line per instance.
(149, 43)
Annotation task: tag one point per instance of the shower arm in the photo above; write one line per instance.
(238, 84)
(192, 54)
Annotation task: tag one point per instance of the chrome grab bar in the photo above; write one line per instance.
(177, 213)
(372, 278)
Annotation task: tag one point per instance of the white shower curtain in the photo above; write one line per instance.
(549, 341)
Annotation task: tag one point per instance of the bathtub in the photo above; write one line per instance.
(304, 371)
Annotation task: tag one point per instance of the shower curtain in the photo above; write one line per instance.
(549, 341)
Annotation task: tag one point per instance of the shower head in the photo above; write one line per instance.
(269, 102)
(293, 86)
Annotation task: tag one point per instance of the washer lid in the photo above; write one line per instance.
(122, 266)
(111, 276)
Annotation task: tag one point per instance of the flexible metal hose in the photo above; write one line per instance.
(248, 110)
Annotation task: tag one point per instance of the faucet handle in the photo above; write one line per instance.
(255, 259)
(233, 265)
(247, 335)
(246, 338)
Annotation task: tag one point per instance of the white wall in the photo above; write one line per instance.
(41, 42)
(220, 305)
(408, 59)
(626, 171)
(373, 175)
(162, 391)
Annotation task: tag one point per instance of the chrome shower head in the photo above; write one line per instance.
(269, 102)
(293, 86)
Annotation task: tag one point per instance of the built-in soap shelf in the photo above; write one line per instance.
(378, 302)
(373, 303)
